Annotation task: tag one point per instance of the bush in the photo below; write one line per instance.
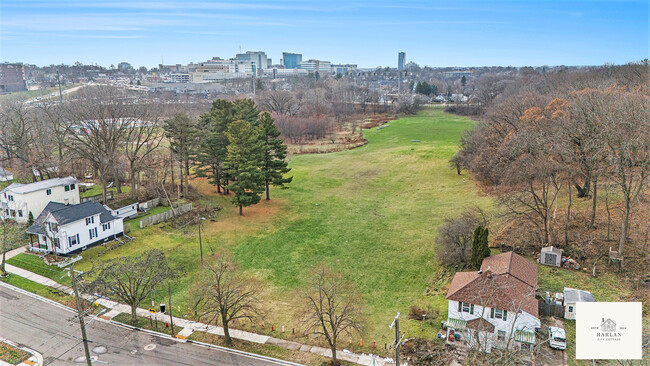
(454, 240)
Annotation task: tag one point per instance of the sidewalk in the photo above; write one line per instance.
(189, 327)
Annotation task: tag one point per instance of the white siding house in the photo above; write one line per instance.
(573, 296)
(496, 306)
(72, 228)
(124, 212)
(18, 200)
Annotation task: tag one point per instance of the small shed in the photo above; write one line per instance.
(551, 256)
(573, 296)
(5, 176)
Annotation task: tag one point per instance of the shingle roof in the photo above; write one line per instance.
(37, 186)
(572, 295)
(480, 324)
(514, 265)
(4, 173)
(65, 214)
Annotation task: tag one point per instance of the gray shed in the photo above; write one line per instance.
(573, 296)
(551, 256)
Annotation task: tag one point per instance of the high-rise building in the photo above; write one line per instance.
(12, 78)
(316, 65)
(401, 60)
(258, 57)
(291, 60)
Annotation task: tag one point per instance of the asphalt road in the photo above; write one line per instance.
(52, 331)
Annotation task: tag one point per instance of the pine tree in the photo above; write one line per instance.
(30, 219)
(480, 247)
(243, 163)
(485, 246)
(275, 151)
(181, 130)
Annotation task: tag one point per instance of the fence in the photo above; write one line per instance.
(164, 216)
(550, 309)
(150, 204)
(97, 197)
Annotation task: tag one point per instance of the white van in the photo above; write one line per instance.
(557, 338)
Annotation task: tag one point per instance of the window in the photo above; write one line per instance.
(72, 187)
(106, 226)
(57, 243)
(48, 192)
(73, 240)
(93, 233)
(67, 188)
(570, 309)
(499, 314)
(20, 213)
(12, 213)
(464, 307)
(10, 198)
(501, 335)
(90, 220)
(54, 227)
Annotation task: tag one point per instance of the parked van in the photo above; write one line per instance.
(557, 338)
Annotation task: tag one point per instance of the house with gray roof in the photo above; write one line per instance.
(68, 228)
(5, 176)
(573, 296)
(18, 199)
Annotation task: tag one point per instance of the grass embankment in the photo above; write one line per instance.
(37, 288)
(11, 354)
(97, 190)
(146, 323)
(370, 213)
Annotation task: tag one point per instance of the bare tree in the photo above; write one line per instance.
(332, 307)
(280, 102)
(227, 294)
(11, 236)
(454, 239)
(142, 140)
(16, 140)
(131, 279)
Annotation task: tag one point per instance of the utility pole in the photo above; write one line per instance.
(169, 293)
(397, 337)
(58, 77)
(80, 313)
(200, 242)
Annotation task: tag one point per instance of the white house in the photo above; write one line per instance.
(5, 176)
(18, 200)
(72, 228)
(571, 297)
(124, 212)
(496, 306)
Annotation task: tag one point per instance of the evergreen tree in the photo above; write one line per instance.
(480, 247)
(181, 130)
(30, 219)
(243, 162)
(275, 151)
(463, 81)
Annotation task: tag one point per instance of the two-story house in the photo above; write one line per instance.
(72, 228)
(495, 306)
(18, 200)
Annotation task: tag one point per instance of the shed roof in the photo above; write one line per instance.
(552, 249)
(572, 295)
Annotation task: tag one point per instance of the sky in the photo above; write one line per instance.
(367, 33)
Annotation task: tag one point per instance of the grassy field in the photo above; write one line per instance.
(35, 264)
(370, 213)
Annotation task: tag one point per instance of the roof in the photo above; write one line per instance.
(456, 323)
(514, 265)
(494, 291)
(65, 214)
(37, 186)
(552, 249)
(524, 336)
(4, 173)
(481, 324)
(572, 295)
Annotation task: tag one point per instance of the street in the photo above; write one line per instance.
(52, 331)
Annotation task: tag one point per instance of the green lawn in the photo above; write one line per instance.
(97, 189)
(39, 289)
(11, 354)
(147, 323)
(370, 213)
(35, 264)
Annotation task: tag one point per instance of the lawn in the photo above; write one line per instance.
(11, 354)
(370, 213)
(39, 289)
(147, 323)
(97, 190)
(35, 264)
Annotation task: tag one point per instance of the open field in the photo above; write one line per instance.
(370, 213)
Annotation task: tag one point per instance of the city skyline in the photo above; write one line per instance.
(369, 34)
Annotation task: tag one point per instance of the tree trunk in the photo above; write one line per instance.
(241, 212)
(226, 331)
(134, 194)
(334, 360)
(593, 207)
(568, 218)
(584, 190)
(624, 227)
(134, 318)
(268, 197)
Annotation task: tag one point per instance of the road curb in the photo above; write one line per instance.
(35, 358)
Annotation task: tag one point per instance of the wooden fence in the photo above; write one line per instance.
(150, 204)
(97, 197)
(164, 216)
(550, 309)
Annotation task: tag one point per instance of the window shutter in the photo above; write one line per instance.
(471, 309)
(460, 306)
(492, 313)
(505, 315)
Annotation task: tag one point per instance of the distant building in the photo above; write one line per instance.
(401, 60)
(316, 65)
(218, 69)
(257, 57)
(343, 69)
(291, 60)
(124, 67)
(180, 77)
(458, 73)
(12, 77)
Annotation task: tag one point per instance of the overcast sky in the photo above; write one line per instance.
(368, 33)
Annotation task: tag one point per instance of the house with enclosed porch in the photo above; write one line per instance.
(495, 306)
(18, 200)
(67, 228)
